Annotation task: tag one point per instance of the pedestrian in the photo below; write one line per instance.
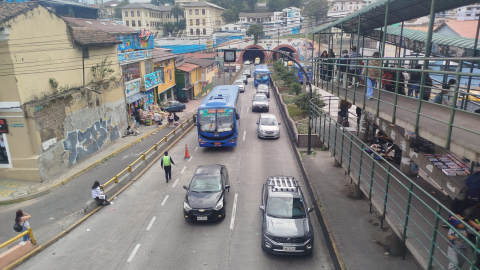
(472, 184)
(166, 164)
(457, 250)
(324, 59)
(21, 219)
(98, 194)
(342, 66)
(331, 66)
(441, 97)
(170, 119)
(359, 115)
(156, 117)
(353, 66)
(331, 52)
(373, 74)
(387, 80)
(427, 88)
(414, 82)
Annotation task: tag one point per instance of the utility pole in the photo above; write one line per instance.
(278, 41)
(305, 56)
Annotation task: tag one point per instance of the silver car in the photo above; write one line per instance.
(268, 126)
(260, 103)
(240, 85)
(263, 88)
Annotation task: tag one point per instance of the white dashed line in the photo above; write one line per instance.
(133, 253)
(196, 149)
(244, 133)
(248, 109)
(190, 159)
(151, 223)
(184, 169)
(174, 184)
(249, 95)
(233, 211)
(164, 200)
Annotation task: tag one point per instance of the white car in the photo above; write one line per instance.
(241, 85)
(247, 63)
(268, 126)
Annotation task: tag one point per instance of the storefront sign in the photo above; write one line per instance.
(132, 87)
(134, 42)
(3, 126)
(153, 79)
(16, 125)
(130, 56)
(209, 44)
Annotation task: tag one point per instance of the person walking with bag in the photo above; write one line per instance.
(21, 219)
(166, 163)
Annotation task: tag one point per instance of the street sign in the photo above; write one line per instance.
(3, 126)
(229, 56)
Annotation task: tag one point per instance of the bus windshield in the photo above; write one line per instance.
(216, 120)
(260, 75)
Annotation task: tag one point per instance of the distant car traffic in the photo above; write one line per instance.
(247, 72)
(263, 88)
(207, 194)
(247, 63)
(244, 78)
(286, 226)
(260, 103)
(174, 106)
(268, 126)
(241, 85)
(257, 61)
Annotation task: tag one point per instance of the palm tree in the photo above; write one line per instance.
(176, 11)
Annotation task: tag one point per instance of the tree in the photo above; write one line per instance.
(168, 28)
(182, 24)
(296, 88)
(177, 11)
(252, 4)
(316, 10)
(229, 16)
(255, 30)
(276, 5)
(162, 2)
(118, 11)
(302, 101)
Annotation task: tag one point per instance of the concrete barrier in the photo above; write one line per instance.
(14, 253)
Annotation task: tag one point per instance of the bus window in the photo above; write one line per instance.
(206, 120)
(225, 121)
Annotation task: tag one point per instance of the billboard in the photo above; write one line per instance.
(153, 79)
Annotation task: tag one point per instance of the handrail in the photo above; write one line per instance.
(20, 235)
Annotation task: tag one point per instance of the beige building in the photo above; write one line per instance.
(203, 18)
(57, 110)
(141, 16)
(184, 2)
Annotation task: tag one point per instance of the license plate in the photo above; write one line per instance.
(289, 249)
(201, 218)
(217, 144)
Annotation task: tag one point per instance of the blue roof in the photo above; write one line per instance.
(221, 96)
(261, 68)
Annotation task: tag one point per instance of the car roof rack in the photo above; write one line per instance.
(283, 183)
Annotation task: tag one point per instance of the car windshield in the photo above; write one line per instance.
(205, 183)
(268, 122)
(261, 75)
(285, 207)
(216, 120)
(259, 98)
(238, 83)
(262, 87)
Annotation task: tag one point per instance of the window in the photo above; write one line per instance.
(191, 21)
(190, 12)
(198, 22)
(126, 13)
(148, 67)
(197, 12)
(203, 22)
(198, 32)
(226, 28)
(161, 15)
(204, 31)
(133, 22)
(127, 22)
(191, 32)
(138, 13)
(132, 13)
(168, 16)
(139, 23)
(203, 11)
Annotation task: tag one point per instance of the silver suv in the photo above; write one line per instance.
(268, 126)
(286, 226)
(260, 103)
(263, 88)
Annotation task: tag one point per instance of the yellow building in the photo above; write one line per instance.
(184, 2)
(164, 60)
(141, 16)
(57, 109)
(187, 77)
(203, 18)
(207, 72)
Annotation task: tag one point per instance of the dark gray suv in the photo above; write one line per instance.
(286, 226)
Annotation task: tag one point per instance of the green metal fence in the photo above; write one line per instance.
(413, 214)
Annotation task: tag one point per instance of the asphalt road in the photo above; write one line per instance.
(145, 228)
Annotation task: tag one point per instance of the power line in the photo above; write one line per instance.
(60, 59)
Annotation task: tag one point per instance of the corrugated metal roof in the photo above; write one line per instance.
(187, 67)
(107, 26)
(373, 15)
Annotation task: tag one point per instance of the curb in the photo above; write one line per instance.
(91, 166)
(76, 224)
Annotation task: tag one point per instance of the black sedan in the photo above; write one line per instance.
(206, 195)
(174, 106)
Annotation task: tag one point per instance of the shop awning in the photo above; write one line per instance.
(135, 97)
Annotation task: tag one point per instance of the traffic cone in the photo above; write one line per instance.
(187, 155)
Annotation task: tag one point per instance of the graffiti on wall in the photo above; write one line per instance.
(129, 56)
(81, 144)
(153, 79)
(134, 42)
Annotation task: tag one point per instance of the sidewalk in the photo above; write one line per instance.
(12, 191)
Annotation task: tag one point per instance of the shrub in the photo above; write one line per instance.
(296, 88)
(303, 100)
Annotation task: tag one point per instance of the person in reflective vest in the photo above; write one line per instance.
(166, 163)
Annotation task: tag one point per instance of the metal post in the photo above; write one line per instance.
(356, 56)
(372, 172)
(471, 68)
(434, 236)
(350, 153)
(340, 56)
(454, 106)
(387, 184)
(399, 64)
(407, 213)
(328, 52)
(343, 139)
(305, 60)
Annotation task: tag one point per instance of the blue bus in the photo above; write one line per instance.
(261, 75)
(299, 73)
(219, 117)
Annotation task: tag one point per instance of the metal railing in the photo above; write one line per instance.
(413, 213)
(28, 232)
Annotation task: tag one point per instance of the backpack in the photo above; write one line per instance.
(473, 184)
(176, 118)
(17, 227)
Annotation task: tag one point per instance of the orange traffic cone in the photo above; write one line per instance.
(187, 155)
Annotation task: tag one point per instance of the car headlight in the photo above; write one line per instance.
(276, 131)
(186, 207)
(219, 205)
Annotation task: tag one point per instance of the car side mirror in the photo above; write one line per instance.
(310, 209)
(227, 186)
(185, 187)
(262, 207)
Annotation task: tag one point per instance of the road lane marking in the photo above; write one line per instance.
(164, 200)
(184, 167)
(151, 223)
(247, 109)
(233, 211)
(174, 184)
(244, 133)
(196, 149)
(190, 159)
(133, 253)
(249, 95)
